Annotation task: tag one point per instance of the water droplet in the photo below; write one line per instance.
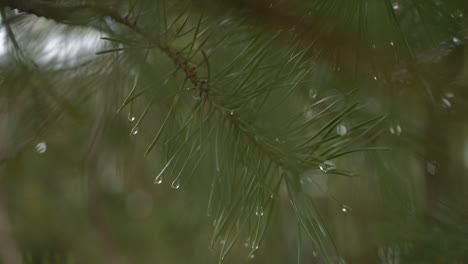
(326, 166)
(158, 179)
(281, 141)
(392, 44)
(449, 95)
(431, 168)
(341, 129)
(446, 103)
(396, 6)
(308, 112)
(175, 184)
(246, 242)
(456, 41)
(259, 211)
(225, 21)
(272, 196)
(345, 208)
(312, 93)
(196, 96)
(131, 117)
(396, 129)
(231, 113)
(252, 256)
(41, 147)
(134, 131)
(375, 77)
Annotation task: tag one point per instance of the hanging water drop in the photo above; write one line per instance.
(225, 21)
(259, 211)
(312, 93)
(345, 208)
(341, 130)
(281, 141)
(449, 95)
(134, 131)
(158, 179)
(246, 242)
(308, 112)
(175, 184)
(375, 77)
(41, 147)
(456, 41)
(196, 96)
(392, 44)
(431, 168)
(396, 129)
(252, 256)
(396, 6)
(305, 180)
(446, 103)
(231, 113)
(131, 117)
(326, 166)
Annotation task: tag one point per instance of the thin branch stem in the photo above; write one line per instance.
(62, 13)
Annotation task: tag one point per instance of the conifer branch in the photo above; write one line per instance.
(291, 165)
(56, 12)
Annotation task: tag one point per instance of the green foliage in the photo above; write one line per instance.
(232, 103)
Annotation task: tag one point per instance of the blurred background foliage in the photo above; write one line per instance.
(250, 117)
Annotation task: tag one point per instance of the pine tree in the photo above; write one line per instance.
(277, 115)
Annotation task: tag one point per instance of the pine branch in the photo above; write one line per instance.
(57, 11)
(269, 157)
